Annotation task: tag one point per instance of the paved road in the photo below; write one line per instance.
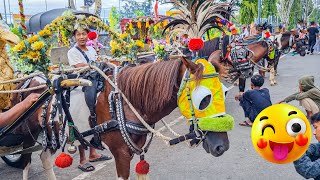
(182, 163)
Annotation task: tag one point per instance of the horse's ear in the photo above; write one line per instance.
(192, 67)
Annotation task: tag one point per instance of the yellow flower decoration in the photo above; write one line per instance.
(130, 26)
(165, 23)
(147, 23)
(33, 39)
(34, 55)
(139, 43)
(38, 45)
(123, 36)
(139, 24)
(19, 47)
(44, 32)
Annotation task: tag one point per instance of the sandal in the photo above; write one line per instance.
(101, 158)
(245, 123)
(87, 167)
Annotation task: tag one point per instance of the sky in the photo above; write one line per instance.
(36, 6)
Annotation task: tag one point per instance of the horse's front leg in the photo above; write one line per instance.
(272, 78)
(26, 170)
(122, 158)
(47, 163)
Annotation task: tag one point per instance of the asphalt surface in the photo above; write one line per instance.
(182, 163)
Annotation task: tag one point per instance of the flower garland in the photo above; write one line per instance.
(35, 51)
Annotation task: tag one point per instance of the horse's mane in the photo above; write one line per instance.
(149, 87)
(209, 47)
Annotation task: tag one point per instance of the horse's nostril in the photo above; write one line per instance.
(220, 149)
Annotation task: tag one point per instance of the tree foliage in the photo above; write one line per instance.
(295, 14)
(131, 8)
(284, 8)
(248, 11)
(114, 19)
(269, 8)
(315, 16)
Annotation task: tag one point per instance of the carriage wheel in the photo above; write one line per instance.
(15, 161)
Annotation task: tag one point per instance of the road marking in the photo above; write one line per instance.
(104, 164)
(97, 168)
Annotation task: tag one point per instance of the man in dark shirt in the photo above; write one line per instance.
(308, 165)
(254, 101)
(313, 36)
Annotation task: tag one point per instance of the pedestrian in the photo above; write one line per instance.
(313, 33)
(245, 32)
(308, 95)
(308, 165)
(79, 56)
(8, 117)
(254, 101)
(316, 47)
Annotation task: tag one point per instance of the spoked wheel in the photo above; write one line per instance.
(15, 161)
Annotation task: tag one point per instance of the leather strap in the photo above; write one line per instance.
(84, 54)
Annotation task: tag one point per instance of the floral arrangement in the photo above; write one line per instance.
(159, 48)
(35, 51)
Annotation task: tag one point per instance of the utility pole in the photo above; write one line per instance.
(46, 5)
(10, 11)
(5, 11)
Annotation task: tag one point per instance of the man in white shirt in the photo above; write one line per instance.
(245, 32)
(79, 56)
(75, 56)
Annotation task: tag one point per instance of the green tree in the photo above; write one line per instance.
(114, 19)
(315, 16)
(131, 7)
(269, 8)
(248, 11)
(295, 14)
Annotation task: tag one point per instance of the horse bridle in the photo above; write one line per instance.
(196, 134)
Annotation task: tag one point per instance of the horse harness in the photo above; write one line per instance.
(118, 122)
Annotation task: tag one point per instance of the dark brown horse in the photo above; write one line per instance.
(260, 51)
(152, 88)
(26, 133)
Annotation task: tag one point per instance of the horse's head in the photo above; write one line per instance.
(201, 99)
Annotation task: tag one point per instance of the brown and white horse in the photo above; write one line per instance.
(152, 89)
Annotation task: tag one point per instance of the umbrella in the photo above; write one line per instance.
(38, 21)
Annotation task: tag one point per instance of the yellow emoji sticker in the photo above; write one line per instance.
(281, 133)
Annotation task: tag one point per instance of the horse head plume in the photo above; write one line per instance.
(195, 17)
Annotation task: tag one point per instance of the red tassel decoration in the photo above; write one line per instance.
(92, 35)
(195, 44)
(142, 169)
(63, 160)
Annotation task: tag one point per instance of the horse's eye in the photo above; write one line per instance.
(201, 97)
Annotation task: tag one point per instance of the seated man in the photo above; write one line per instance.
(254, 101)
(8, 117)
(309, 95)
(308, 165)
(79, 56)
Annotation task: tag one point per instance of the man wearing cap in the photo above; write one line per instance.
(254, 101)
(79, 56)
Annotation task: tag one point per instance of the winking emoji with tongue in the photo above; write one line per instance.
(281, 133)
